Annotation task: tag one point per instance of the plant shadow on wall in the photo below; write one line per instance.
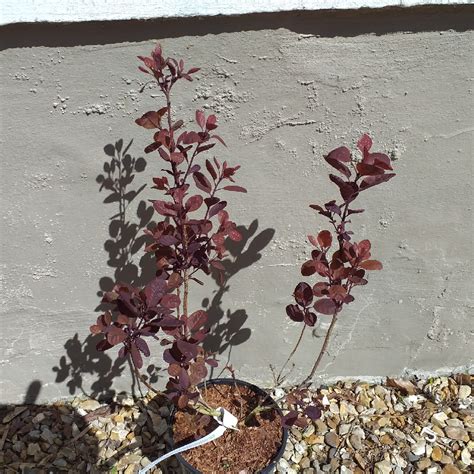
(226, 326)
(126, 239)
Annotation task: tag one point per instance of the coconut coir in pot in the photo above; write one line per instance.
(248, 450)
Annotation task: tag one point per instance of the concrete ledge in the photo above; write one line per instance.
(322, 24)
(54, 11)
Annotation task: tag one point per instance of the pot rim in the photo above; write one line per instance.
(258, 391)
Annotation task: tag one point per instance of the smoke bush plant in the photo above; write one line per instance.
(189, 238)
(341, 263)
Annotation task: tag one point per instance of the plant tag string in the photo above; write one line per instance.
(226, 421)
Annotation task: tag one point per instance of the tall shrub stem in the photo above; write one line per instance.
(324, 347)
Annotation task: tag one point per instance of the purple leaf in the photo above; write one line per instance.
(238, 189)
(170, 301)
(381, 160)
(340, 154)
(348, 189)
(142, 346)
(152, 147)
(339, 166)
(370, 181)
(365, 143)
(325, 306)
(289, 419)
(184, 381)
(202, 182)
(214, 210)
(310, 318)
(194, 203)
(169, 322)
(200, 118)
(155, 290)
(212, 362)
(333, 207)
(189, 350)
(168, 240)
(197, 320)
(312, 412)
(164, 208)
(115, 335)
(303, 294)
(354, 211)
(308, 268)
(136, 356)
(294, 313)
(211, 169)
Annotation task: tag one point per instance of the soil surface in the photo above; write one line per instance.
(246, 451)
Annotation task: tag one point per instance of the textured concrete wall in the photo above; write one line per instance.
(287, 89)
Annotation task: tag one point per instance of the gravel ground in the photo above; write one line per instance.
(396, 427)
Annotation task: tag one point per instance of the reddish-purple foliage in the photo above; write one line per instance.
(340, 263)
(190, 237)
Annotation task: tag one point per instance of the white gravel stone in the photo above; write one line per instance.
(419, 448)
(464, 392)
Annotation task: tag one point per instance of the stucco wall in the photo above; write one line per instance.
(287, 88)
(89, 10)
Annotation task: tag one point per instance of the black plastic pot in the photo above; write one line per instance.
(190, 469)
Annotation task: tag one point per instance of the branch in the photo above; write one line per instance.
(307, 380)
(278, 379)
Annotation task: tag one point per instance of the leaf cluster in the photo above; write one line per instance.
(189, 237)
(340, 263)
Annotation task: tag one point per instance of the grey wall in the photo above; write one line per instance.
(287, 89)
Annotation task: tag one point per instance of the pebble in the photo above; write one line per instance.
(344, 429)
(436, 454)
(464, 392)
(161, 427)
(305, 463)
(309, 430)
(423, 464)
(446, 460)
(60, 462)
(321, 427)
(439, 419)
(33, 448)
(296, 457)
(419, 448)
(38, 418)
(450, 469)
(356, 441)
(384, 422)
(48, 436)
(457, 433)
(455, 422)
(332, 439)
(13, 414)
(300, 448)
(383, 467)
(466, 457)
(89, 405)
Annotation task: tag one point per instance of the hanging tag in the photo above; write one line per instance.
(226, 421)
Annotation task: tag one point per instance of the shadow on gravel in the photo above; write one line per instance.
(45, 438)
(84, 435)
